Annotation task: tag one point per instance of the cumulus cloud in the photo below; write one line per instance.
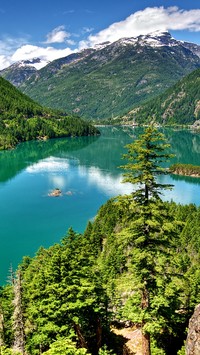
(141, 22)
(47, 54)
(57, 35)
(148, 20)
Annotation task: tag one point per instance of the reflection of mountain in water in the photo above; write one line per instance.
(25, 154)
(104, 152)
(185, 145)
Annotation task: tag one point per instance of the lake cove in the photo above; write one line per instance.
(86, 171)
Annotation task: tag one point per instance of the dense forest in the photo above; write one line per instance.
(136, 267)
(178, 105)
(22, 119)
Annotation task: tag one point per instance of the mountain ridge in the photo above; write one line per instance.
(109, 80)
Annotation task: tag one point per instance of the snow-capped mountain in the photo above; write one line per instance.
(20, 71)
(108, 80)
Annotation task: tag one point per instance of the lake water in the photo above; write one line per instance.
(86, 170)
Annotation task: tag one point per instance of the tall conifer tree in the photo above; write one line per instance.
(149, 233)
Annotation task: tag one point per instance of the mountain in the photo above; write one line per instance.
(195, 48)
(180, 104)
(18, 72)
(109, 81)
(22, 119)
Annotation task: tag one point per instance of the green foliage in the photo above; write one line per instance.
(185, 169)
(181, 351)
(105, 351)
(60, 282)
(14, 103)
(8, 351)
(177, 105)
(145, 156)
(65, 347)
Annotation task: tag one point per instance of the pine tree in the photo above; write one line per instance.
(150, 231)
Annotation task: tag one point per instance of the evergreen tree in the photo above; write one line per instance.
(18, 319)
(150, 231)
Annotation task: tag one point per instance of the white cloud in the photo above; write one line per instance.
(108, 184)
(8, 45)
(4, 62)
(148, 20)
(47, 54)
(70, 42)
(141, 22)
(50, 165)
(57, 35)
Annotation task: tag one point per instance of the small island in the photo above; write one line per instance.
(185, 170)
(55, 193)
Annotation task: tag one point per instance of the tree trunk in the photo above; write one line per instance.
(81, 339)
(99, 334)
(145, 336)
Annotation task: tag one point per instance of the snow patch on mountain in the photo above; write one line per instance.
(37, 63)
(155, 39)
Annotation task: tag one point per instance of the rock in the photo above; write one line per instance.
(55, 193)
(193, 337)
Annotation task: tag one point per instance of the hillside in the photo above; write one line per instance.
(180, 104)
(13, 102)
(22, 119)
(108, 81)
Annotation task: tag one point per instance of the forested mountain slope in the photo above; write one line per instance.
(22, 119)
(13, 102)
(107, 82)
(180, 104)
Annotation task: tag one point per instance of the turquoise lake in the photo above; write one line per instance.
(87, 171)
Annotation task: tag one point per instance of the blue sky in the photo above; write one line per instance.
(52, 29)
